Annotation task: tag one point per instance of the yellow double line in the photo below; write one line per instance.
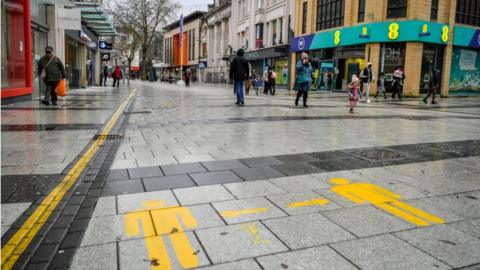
(24, 236)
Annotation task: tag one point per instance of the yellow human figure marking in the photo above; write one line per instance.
(165, 221)
(383, 199)
(252, 229)
(311, 202)
(232, 214)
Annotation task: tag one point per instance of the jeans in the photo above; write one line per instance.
(116, 82)
(239, 91)
(50, 91)
(304, 87)
(104, 80)
(367, 90)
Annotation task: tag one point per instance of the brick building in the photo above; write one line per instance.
(341, 36)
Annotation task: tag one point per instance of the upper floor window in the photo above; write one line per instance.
(434, 10)
(330, 13)
(259, 36)
(304, 17)
(468, 12)
(361, 10)
(397, 9)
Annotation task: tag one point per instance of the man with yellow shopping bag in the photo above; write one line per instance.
(51, 70)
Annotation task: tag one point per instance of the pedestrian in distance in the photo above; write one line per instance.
(266, 86)
(51, 70)
(381, 86)
(239, 71)
(117, 75)
(256, 83)
(432, 85)
(367, 77)
(188, 75)
(272, 76)
(105, 75)
(397, 85)
(303, 79)
(249, 83)
(353, 90)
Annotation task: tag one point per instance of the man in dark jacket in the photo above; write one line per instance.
(239, 71)
(432, 84)
(51, 70)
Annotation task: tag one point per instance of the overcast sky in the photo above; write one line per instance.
(189, 6)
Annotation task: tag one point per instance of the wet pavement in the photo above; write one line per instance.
(154, 176)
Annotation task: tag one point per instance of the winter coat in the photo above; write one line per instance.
(239, 69)
(54, 71)
(304, 72)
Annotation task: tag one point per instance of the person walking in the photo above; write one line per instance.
(432, 85)
(266, 86)
(397, 85)
(303, 79)
(353, 89)
(381, 86)
(272, 76)
(367, 78)
(239, 71)
(256, 83)
(124, 72)
(105, 75)
(117, 75)
(249, 82)
(188, 75)
(51, 70)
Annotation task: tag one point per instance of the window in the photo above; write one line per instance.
(361, 10)
(304, 17)
(274, 32)
(330, 13)
(191, 44)
(397, 9)
(468, 12)
(280, 31)
(434, 10)
(259, 36)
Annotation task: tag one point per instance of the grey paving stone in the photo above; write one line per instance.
(260, 161)
(55, 236)
(307, 230)
(299, 184)
(120, 174)
(183, 168)
(11, 211)
(122, 187)
(134, 255)
(194, 158)
(296, 168)
(258, 173)
(240, 265)
(296, 158)
(471, 227)
(238, 211)
(4, 229)
(308, 259)
(145, 172)
(211, 178)
(430, 168)
(167, 182)
(222, 165)
(465, 205)
(432, 206)
(316, 202)
(244, 241)
(203, 194)
(251, 189)
(143, 201)
(101, 257)
(386, 252)
(106, 206)
(451, 246)
(366, 221)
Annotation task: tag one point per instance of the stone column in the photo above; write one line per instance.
(447, 54)
(97, 68)
(215, 44)
(413, 66)
(222, 41)
(374, 50)
(82, 50)
(56, 35)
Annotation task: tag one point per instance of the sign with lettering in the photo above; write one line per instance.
(69, 18)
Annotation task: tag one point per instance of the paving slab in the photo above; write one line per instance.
(136, 202)
(11, 211)
(145, 172)
(212, 178)
(222, 165)
(300, 183)
(366, 221)
(122, 187)
(167, 182)
(183, 168)
(471, 227)
(202, 194)
(386, 252)
(258, 173)
(307, 230)
(447, 244)
(119, 174)
(311, 258)
(194, 158)
(101, 257)
(134, 254)
(253, 189)
(260, 161)
(296, 168)
(106, 206)
(247, 240)
(302, 203)
(430, 168)
(238, 211)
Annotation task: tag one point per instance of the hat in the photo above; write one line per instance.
(240, 52)
(355, 78)
(49, 48)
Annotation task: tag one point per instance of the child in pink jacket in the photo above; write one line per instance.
(353, 92)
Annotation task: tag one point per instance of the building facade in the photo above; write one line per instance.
(182, 52)
(262, 28)
(215, 43)
(341, 36)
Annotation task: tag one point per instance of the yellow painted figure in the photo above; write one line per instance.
(384, 199)
(166, 221)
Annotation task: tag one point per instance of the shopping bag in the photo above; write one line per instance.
(61, 88)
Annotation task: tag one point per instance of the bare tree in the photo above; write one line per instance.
(143, 18)
(127, 44)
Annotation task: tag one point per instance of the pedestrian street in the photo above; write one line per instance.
(160, 176)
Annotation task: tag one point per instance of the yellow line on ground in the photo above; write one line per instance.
(233, 214)
(311, 202)
(19, 242)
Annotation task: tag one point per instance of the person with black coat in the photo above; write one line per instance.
(239, 71)
(50, 69)
(432, 84)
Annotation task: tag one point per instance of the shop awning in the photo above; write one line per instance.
(96, 19)
(65, 3)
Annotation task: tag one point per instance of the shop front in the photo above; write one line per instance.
(39, 38)
(16, 69)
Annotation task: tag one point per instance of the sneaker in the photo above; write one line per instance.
(54, 103)
(305, 106)
(351, 110)
(45, 102)
(425, 101)
(434, 102)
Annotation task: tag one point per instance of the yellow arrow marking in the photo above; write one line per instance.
(252, 229)
(308, 203)
(232, 214)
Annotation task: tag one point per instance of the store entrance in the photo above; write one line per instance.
(431, 61)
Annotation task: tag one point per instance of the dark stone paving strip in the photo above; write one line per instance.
(55, 244)
(227, 171)
(50, 127)
(63, 108)
(26, 188)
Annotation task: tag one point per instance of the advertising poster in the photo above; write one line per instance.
(465, 72)
(281, 68)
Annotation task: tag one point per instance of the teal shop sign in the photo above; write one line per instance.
(466, 37)
(401, 31)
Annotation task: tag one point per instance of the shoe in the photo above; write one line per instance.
(242, 103)
(305, 106)
(45, 102)
(425, 101)
(351, 110)
(434, 102)
(296, 103)
(54, 103)
(368, 100)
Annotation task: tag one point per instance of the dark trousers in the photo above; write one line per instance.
(116, 81)
(266, 87)
(104, 80)
(272, 89)
(305, 96)
(431, 92)
(397, 90)
(50, 91)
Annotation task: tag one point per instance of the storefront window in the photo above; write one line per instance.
(397, 9)
(468, 12)
(361, 10)
(434, 10)
(330, 13)
(259, 36)
(432, 60)
(464, 72)
(392, 55)
(14, 68)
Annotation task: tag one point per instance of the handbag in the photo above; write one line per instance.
(43, 74)
(61, 88)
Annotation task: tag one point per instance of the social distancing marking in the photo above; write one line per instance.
(234, 214)
(169, 223)
(252, 229)
(312, 202)
(384, 199)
